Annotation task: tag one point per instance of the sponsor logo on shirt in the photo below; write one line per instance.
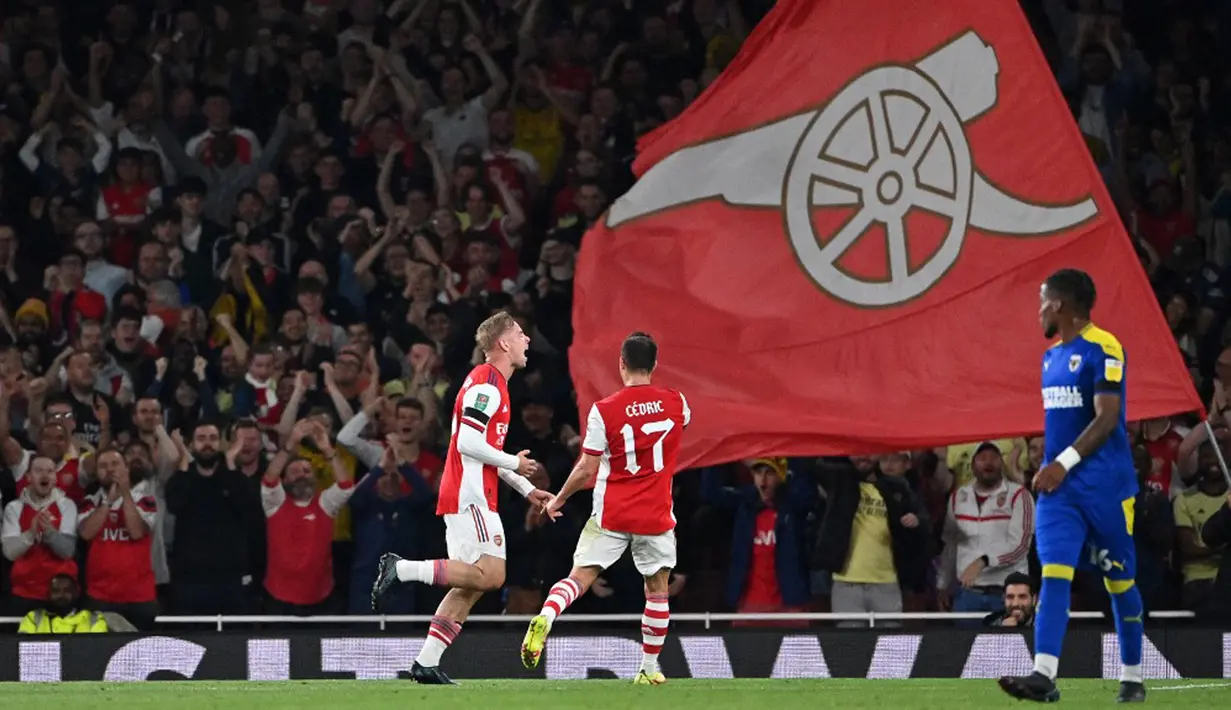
(1063, 397)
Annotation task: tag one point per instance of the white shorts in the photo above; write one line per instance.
(598, 547)
(472, 533)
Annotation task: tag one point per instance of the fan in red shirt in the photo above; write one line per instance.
(54, 443)
(124, 204)
(118, 520)
(39, 536)
(1165, 221)
(1162, 441)
(630, 446)
(300, 524)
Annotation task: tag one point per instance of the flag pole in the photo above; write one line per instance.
(1222, 461)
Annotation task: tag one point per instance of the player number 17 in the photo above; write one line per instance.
(661, 427)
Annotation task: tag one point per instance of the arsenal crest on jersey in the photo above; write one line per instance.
(1000, 500)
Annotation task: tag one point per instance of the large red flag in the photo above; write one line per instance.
(839, 246)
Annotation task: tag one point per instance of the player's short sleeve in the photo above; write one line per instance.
(1108, 362)
(687, 413)
(595, 442)
(479, 403)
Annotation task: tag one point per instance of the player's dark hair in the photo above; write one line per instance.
(1019, 578)
(1075, 288)
(639, 352)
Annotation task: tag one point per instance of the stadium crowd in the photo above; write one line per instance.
(244, 246)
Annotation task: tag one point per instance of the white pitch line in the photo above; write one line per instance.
(1193, 686)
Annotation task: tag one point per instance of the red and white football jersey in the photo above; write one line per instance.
(637, 433)
(483, 404)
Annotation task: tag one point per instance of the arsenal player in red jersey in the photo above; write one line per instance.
(631, 443)
(467, 502)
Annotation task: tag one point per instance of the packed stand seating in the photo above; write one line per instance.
(244, 247)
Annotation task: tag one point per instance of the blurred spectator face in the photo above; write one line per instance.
(421, 280)
(68, 157)
(151, 169)
(205, 443)
(43, 473)
(896, 464)
(703, 11)
(537, 418)
(444, 223)
(670, 105)
(90, 339)
(500, 126)
(1162, 197)
(297, 480)
(250, 207)
(1176, 311)
(314, 270)
(72, 270)
(232, 368)
(29, 328)
(863, 464)
(217, 110)
(364, 11)
(34, 65)
(1209, 469)
(61, 595)
(589, 131)
(560, 46)
(152, 262)
(294, 326)
(988, 467)
(183, 104)
(591, 46)
(439, 326)
(262, 366)
(1034, 452)
(139, 461)
(418, 207)
(477, 205)
(311, 303)
(1019, 603)
(347, 368)
(556, 253)
(268, 188)
(360, 336)
(587, 164)
(654, 33)
(312, 63)
(147, 415)
(383, 133)
(88, 237)
(633, 76)
(53, 441)
(590, 201)
(299, 160)
(603, 103)
(110, 465)
(191, 205)
(127, 335)
(396, 258)
(354, 59)
(1095, 65)
(408, 422)
(449, 24)
(79, 371)
(1164, 77)
(192, 325)
(250, 446)
(136, 113)
(123, 19)
(329, 172)
(765, 478)
(128, 170)
(340, 205)
(453, 84)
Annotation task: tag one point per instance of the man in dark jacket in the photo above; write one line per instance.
(768, 570)
(216, 516)
(874, 538)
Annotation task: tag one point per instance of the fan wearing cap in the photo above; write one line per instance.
(32, 321)
(989, 525)
(767, 571)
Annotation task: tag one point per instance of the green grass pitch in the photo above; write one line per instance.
(549, 695)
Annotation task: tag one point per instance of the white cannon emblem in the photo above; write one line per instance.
(889, 141)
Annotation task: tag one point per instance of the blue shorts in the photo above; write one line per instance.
(1092, 531)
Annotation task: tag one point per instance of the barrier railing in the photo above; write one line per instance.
(707, 618)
